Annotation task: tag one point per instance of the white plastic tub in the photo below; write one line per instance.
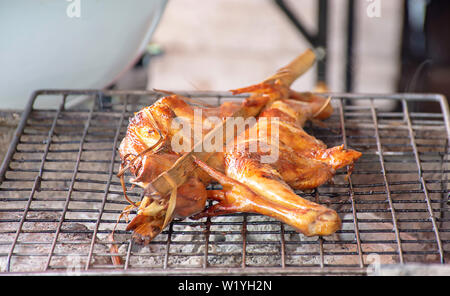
(70, 43)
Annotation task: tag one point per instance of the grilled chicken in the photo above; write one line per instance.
(250, 182)
(302, 162)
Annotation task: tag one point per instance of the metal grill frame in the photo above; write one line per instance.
(342, 99)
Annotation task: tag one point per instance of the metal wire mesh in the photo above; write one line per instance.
(60, 197)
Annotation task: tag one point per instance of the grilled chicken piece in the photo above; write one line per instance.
(249, 184)
(274, 199)
(146, 152)
(302, 162)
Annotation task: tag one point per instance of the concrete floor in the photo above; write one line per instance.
(225, 44)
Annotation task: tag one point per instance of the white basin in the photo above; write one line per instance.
(45, 45)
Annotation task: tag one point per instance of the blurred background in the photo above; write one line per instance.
(371, 46)
(224, 44)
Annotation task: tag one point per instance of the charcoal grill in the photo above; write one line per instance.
(60, 197)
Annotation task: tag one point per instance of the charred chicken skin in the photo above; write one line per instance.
(249, 184)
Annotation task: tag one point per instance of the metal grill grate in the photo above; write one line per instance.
(60, 197)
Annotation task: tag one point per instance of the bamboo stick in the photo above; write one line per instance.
(288, 74)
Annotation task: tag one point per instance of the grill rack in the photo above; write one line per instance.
(60, 198)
